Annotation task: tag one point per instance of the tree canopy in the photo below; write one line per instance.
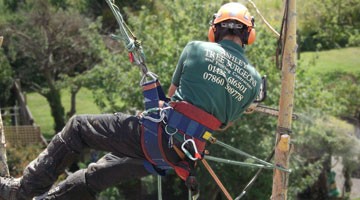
(44, 45)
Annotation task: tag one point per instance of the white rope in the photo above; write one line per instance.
(262, 17)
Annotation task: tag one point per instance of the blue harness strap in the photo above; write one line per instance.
(153, 92)
(182, 117)
(186, 125)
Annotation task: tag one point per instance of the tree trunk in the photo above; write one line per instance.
(57, 110)
(74, 90)
(286, 104)
(4, 169)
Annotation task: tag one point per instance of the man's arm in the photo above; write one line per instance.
(171, 90)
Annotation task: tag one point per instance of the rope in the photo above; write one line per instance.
(133, 46)
(159, 187)
(238, 151)
(233, 162)
(252, 181)
(217, 180)
(262, 17)
(282, 39)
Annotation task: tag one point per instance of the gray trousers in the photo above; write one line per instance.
(106, 172)
(116, 133)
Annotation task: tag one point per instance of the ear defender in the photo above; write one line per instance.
(252, 32)
(212, 29)
(252, 36)
(211, 33)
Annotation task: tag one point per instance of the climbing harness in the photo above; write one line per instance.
(184, 127)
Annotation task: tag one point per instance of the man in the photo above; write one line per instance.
(212, 79)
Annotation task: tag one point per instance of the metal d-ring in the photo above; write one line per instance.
(167, 132)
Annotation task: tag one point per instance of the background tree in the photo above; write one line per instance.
(329, 24)
(6, 81)
(46, 44)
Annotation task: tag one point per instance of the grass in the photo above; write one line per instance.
(347, 60)
(41, 110)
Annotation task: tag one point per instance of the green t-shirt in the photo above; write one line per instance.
(217, 78)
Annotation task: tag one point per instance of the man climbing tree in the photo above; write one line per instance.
(213, 84)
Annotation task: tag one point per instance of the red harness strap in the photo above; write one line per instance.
(196, 114)
(183, 168)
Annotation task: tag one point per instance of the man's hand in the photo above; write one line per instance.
(226, 127)
(251, 108)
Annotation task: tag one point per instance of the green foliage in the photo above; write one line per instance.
(345, 89)
(111, 193)
(59, 3)
(318, 134)
(329, 24)
(46, 45)
(318, 138)
(19, 157)
(166, 32)
(110, 79)
(12, 5)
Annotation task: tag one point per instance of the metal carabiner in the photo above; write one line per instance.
(187, 153)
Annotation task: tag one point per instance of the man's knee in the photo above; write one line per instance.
(71, 133)
(111, 170)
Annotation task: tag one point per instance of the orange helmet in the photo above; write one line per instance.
(233, 11)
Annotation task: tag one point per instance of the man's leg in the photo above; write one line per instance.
(40, 174)
(108, 171)
(118, 133)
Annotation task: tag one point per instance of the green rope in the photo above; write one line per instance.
(238, 151)
(252, 181)
(124, 29)
(129, 39)
(159, 187)
(233, 162)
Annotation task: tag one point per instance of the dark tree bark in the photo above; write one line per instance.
(57, 110)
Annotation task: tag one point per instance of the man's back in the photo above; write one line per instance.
(217, 78)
